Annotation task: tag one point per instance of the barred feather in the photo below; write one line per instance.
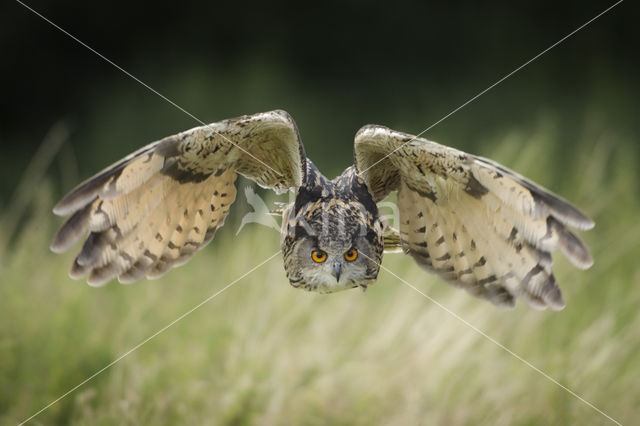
(477, 224)
(155, 208)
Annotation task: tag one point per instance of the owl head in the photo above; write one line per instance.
(331, 246)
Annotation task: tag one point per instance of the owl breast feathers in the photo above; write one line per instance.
(473, 222)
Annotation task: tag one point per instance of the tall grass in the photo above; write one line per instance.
(265, 353)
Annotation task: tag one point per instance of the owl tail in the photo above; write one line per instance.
(391, 239)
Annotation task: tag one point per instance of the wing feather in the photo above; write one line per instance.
(155, 208)
(477, 224)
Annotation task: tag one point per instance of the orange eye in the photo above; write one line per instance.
(318, 256)
(351, 255)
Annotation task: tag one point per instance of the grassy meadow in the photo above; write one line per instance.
(264, 353)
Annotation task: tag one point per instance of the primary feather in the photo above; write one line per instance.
(478, 225)
(156, 207)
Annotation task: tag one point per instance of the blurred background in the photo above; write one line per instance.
(262, 352)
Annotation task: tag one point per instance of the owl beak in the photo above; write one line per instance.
(336, 270)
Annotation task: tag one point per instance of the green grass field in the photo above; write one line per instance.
(265, 353)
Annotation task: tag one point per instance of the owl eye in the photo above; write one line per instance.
(351, 255)
(318, 256)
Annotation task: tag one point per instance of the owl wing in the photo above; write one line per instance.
(477, 224)
(155, 208)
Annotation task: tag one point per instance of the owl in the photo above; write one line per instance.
(478, 225)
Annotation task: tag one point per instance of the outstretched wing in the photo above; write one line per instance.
(477, 224)
(155, 208)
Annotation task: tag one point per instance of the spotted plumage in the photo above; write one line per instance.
(476, 224)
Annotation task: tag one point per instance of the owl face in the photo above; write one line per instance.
(333, 254)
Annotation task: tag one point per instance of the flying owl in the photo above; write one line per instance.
(473, 222)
